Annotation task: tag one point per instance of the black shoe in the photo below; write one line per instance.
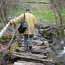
(30, 47)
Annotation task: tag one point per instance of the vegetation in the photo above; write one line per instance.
(46, 16)
(46, 11)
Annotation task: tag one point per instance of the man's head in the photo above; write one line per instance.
(27, 10)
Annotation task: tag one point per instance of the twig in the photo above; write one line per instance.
(12, 38)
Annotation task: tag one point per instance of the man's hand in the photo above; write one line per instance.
(10, 22)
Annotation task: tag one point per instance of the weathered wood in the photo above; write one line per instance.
(30, 55)
(37, 2)
(34, 58)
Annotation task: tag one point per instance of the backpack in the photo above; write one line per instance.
(23, 26)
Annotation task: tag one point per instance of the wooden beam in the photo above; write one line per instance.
(33, 2)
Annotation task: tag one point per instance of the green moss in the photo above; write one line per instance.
(5, 38)
(13, 47)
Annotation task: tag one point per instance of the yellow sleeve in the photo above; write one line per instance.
(17, 20)
(35, 20)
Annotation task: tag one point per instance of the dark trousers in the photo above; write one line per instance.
(27, 41)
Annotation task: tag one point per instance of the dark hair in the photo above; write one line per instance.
(27, 9)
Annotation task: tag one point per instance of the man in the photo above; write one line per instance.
(31, 21)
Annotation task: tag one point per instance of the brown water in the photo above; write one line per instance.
(4, 29)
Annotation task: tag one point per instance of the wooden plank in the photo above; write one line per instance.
(30, 55)
(34, 59)
(36, 49)
(37, 2)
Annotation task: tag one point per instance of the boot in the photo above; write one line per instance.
(30, 47)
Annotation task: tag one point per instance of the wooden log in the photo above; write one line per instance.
(34, 59)
(30, 55)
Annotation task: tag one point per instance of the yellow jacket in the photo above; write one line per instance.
(30, 19)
